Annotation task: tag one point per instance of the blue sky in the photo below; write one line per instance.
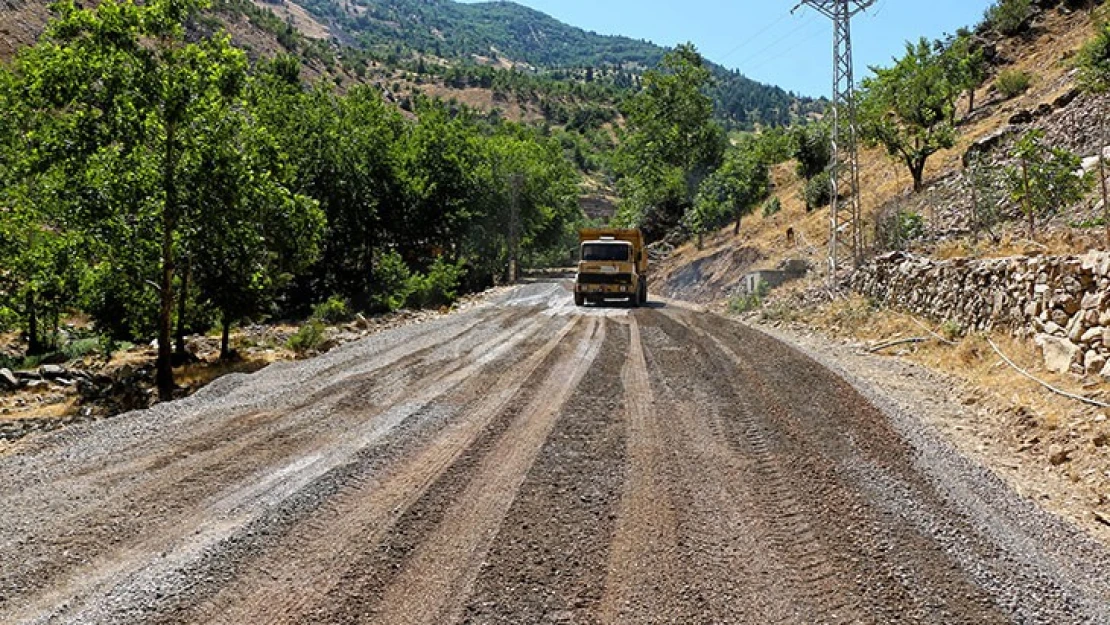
(762, 39)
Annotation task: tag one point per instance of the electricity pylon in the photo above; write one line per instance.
(846, 219)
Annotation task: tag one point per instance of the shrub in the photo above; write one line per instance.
(897, 227)
(392, 283)
(333, 311)
(818, 191)
(439, 287)
(772, 207)
(951, 330)
(1011, 83)
(747, 302)
(1094, 62)
(9, 319)
(310, 337)
(1009, 17)
(80, 348)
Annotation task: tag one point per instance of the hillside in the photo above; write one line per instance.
(517, 36)
(1052, 104)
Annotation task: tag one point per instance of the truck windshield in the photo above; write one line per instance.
(606, 252)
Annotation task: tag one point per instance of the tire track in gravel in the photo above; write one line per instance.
(642, 555)
(929, 520)
(300, 574)
(727, 571)
(849, 560)
(549, 561)
(436, 580)
(281, 462)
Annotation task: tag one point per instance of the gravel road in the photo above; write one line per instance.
(528, 462)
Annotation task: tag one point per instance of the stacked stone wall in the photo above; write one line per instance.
(1063, 303)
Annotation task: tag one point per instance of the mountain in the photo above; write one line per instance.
(531, 40)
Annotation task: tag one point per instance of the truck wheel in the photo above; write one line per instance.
(579, 299)
(643, 292)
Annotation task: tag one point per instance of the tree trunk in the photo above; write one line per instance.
(739, 216)
(182, 304)
(164, 366)
(917, 170)
(34, 345)
(1025, 200)
(701, 240)
(225, 338)
(1102, 181)
(970, 101)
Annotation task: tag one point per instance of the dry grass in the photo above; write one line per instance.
(971, 358)
(201, 374)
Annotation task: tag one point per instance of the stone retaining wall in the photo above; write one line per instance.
(1063, 302)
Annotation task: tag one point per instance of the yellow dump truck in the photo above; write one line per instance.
(612, 264)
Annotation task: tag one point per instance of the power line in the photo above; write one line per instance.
(805, 40)
(774, 43)
(754, 37)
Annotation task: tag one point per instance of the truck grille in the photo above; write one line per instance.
(604, 278)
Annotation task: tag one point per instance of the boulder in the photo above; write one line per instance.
(52, 372)
(1092, 335)
(1059, 353)
(1058, 455)
(1094, 363)
(8, 381)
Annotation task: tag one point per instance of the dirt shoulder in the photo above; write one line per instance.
(1043, 447)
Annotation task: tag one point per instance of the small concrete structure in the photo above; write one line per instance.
(787, 271)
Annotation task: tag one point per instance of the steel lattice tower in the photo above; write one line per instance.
(846, 219)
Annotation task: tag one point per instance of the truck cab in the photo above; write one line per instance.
(612, 264)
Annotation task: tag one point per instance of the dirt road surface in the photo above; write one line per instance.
(529, 462)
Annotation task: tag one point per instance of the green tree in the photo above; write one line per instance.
(1009, 17)
(259, 234)
(672, 143)
(812, 148)
(522, 168)
(343, 151)
(730, 193)
(131, 89)
(965, 65)
(1044, 178)
(908, 108)
(1094, 77)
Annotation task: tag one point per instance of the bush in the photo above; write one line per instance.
(333, 311)
(439, 287)
(951, 330)
(818, 191)
(1094, 62)
(310, 337)
(392, 283)
(80, 348)
(1011, 83)
(772, 207)
(895, 228)
(747, 302)
(9, 319)
(1009, 17)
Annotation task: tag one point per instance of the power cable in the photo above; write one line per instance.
(771, 46)
(753, 38)
(803, 41)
